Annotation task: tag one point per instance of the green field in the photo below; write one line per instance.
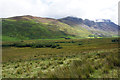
(72, 58)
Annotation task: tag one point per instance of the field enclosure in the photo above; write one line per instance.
(72, 58)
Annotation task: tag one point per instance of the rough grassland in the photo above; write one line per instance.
(74, 58)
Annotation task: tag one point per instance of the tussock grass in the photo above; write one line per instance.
(94, 58)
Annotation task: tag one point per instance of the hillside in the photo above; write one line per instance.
(102, 28)
(30, 27)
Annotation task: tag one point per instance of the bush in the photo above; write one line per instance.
(7, 45)
(72, 41)
(59, 47)
(38, 46)
(20, 45)
(62, 42)
(48, 45)
(115, 40)
(80, 44)
(33, 45)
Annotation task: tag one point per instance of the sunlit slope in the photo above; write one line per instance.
(29, 27)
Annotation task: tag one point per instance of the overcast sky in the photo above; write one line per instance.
(86, 9)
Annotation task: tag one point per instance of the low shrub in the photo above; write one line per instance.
(33, 45)
(115, 40)
(37, 45)
(72, 41)
(80, 44)
(53, 46)
(59, 47)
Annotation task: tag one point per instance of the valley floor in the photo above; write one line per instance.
(73, 58)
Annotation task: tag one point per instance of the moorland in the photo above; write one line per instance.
(70, 47)
(73, 58)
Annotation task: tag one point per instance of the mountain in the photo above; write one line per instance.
(31, 27)
(102, 27)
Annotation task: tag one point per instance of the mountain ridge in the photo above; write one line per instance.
(32, 27)
(107, 25)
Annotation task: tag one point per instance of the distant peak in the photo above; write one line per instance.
(103, 20)
(72, 18)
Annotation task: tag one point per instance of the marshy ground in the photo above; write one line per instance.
(73, 58)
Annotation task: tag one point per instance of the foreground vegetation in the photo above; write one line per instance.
(73, 58)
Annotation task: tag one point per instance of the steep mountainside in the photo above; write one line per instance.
(30, 27)
(102, 28)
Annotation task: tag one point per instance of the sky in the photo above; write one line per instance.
(85, 9)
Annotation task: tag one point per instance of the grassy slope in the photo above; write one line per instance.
(26, 30)
(38, 28)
